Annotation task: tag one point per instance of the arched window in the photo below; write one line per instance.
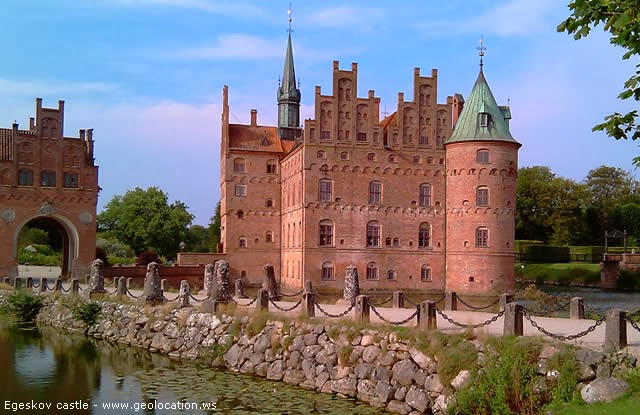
(268, 203)
(371, 156)
(240, 214)
(272, 167)
(482, 237)
(416, 159)
(238, 165)
(268, 237)
(372, 271)
(388, 241)
(425, 273)
(375, 193)
(396, 242)
(325, 190)
(391, 274)
(25, 177)
(373, 234)
(429, 160)
(48, 178)
(326, 233)
(424, 235)
(321, 154)
(327, 271)
(243, 242)
(425, 195)
(241, 190)
(482, 156)
(392, 158)
(482, 196)
(344, 155)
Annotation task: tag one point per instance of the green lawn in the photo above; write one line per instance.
(563, 273)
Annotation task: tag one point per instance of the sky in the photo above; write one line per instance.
(147, 75)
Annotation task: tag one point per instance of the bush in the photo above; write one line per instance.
(116, 260)
(629, 280)
(102, 255)
(545, 254)
(88, 313)
(115, 248)
(147, 257)
(24, 305)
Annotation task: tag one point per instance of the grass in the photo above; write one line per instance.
(560, 273)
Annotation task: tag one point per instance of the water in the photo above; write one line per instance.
(47, 367)
(596, 298)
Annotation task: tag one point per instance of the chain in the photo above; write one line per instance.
(470, 326)
(382, 303)
(131, 294)
(544, 313)
(416, 304)
(173, 299)
(63, 289)
(475, 307)
(292, 295)
(397, 323)
(344, 313)
(245, 305)
(284, 308)
(560, 337)
(34, 285)
(195, 299)
(595, 311)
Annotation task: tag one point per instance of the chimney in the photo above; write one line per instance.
(82, 134)
(15, 126)
(254, 117)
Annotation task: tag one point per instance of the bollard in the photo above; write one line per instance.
(17, 283)
(398, 299)
(7, 280)
(262, 303)
(129, 283)
(308, 287)
(513, 324)
(362, 310)
(351, 285)
(58, 284)
(115, 283)
(269, 281)
(185, 294)
(427, 315)
(43, 285)
(576, 309)
(451, 301)
(29, 282)
(504, 300)
(163, 285)
(75, 286)
(122, 287)
(87, 277)
(615, 334)
(239, 290)
(309, 303)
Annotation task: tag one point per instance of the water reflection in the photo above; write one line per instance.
(47, 366)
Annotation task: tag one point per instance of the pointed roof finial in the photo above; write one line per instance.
(481, 48)
(290, 18)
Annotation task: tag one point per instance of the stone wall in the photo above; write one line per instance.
(374, 366)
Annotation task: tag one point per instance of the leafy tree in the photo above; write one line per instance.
(627, 217)
(30, 236)
(197, 239)
(144, 220)
(621, 18)
(214, 230)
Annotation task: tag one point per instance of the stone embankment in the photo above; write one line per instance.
(378, 366)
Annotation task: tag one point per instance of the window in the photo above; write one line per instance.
(373, 234)
(484, 118)
(423, 140)
(392, 158)
(425, 273)
(396, 242)
(321, 154)
(240, 214)
(70, 180)
(241, 190)
(48, 178)
(429, 160)
(348, 94)
(387, 241)
(348, 115)
(243, 242)
(364, 115)
(325, 193)
(482, 237)
(425, 195)
(271, 166)
(482, 156)
(371, 157)
(347, 135)
(268, 203)
(344, 156)
(238, 166)
(375, 193)
(326, 233)
(372, 271)
(416, 159)
(391, 275)
(25, 178)
(325, 135)
(376, 137)
(424, 235)
(327, 271)
(268, 237)
(361, 137)
(482, 196)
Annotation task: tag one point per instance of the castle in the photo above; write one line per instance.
(423, 199)
(50, 181)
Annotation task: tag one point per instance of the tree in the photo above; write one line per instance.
(144, 220)
(214, 230)
(197, 239)
(621, 18)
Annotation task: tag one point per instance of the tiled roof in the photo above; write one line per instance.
(389, 119)
(259, 138)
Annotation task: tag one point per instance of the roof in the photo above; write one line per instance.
(258, 138)
(388, 120)
(288, 90)
(468, 126)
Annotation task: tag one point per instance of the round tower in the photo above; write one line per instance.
(482, 166)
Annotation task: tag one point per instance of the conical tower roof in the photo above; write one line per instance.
(481, 118)
(288, 91)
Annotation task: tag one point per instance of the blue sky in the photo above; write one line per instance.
(147, 75)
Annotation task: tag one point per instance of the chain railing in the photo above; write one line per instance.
(35, 285)
(416, 304)
(129, 293)
(339, 315)
(473, 307)
(395, 323)
(197, 300)
(544, 313)
(67, 289)
(470, 326)
(285, 308)
(542, 330)
(292, 295)
(595, 311)
(244, 305)
(382, 302)
(630, 320)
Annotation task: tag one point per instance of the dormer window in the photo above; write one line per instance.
(484, 118)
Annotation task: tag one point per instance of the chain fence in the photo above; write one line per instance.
(285, 308)
(245, 305)
(35, 285)
(542, 330)
(470, 326)
(129, 293)
(395, 323)
(292, 295)
(415, 304)
(484, 307)
(544, 313)
(339, 315)
(598, 313)
(382, 302)
(197, 300)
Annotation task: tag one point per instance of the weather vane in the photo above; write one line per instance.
(481, 48)
(290, 18)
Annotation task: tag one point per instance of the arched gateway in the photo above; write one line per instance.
(48, 180)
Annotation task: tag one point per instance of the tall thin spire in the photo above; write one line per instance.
(288, 91)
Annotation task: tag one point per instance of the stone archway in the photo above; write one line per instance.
(63, 230)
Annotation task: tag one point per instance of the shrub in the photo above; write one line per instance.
(629, 280)
(24, 305)
(88, 313)
(542, 254)
(101, 254)
(147, 257)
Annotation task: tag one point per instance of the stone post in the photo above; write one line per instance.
(309, 304)
(576, 309)
(75, 286)
(7, 280)
(29, 282)
(351, 285)
(209, 279)
(129, 283)
(87, 277)
(262, 303)
(398, 299)
(163, 284)
(96, 279)
(451, 301)
(269, 282)
(239, 290)
(308, 287)
(122, 287)
(427, 316)
(513, 324)
(615, 334)
(185, 293)
(362, 310)
(115, 283)
(221, 285)
(152, 293)
(58, 285)
(43, 285)
(504, 300)
(17, 283)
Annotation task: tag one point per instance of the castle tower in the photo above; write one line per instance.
(482, 165)
(289, 97)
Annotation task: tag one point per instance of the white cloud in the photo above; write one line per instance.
(52, 87)
(345, 16)
(227, 8)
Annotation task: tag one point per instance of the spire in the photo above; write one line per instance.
(481, 48)
(288, 91)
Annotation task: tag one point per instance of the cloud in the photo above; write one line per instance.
(52, 87)
(210, 6)
(345, 16)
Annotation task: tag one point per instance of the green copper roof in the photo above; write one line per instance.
(469, 126)
(288, 90)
